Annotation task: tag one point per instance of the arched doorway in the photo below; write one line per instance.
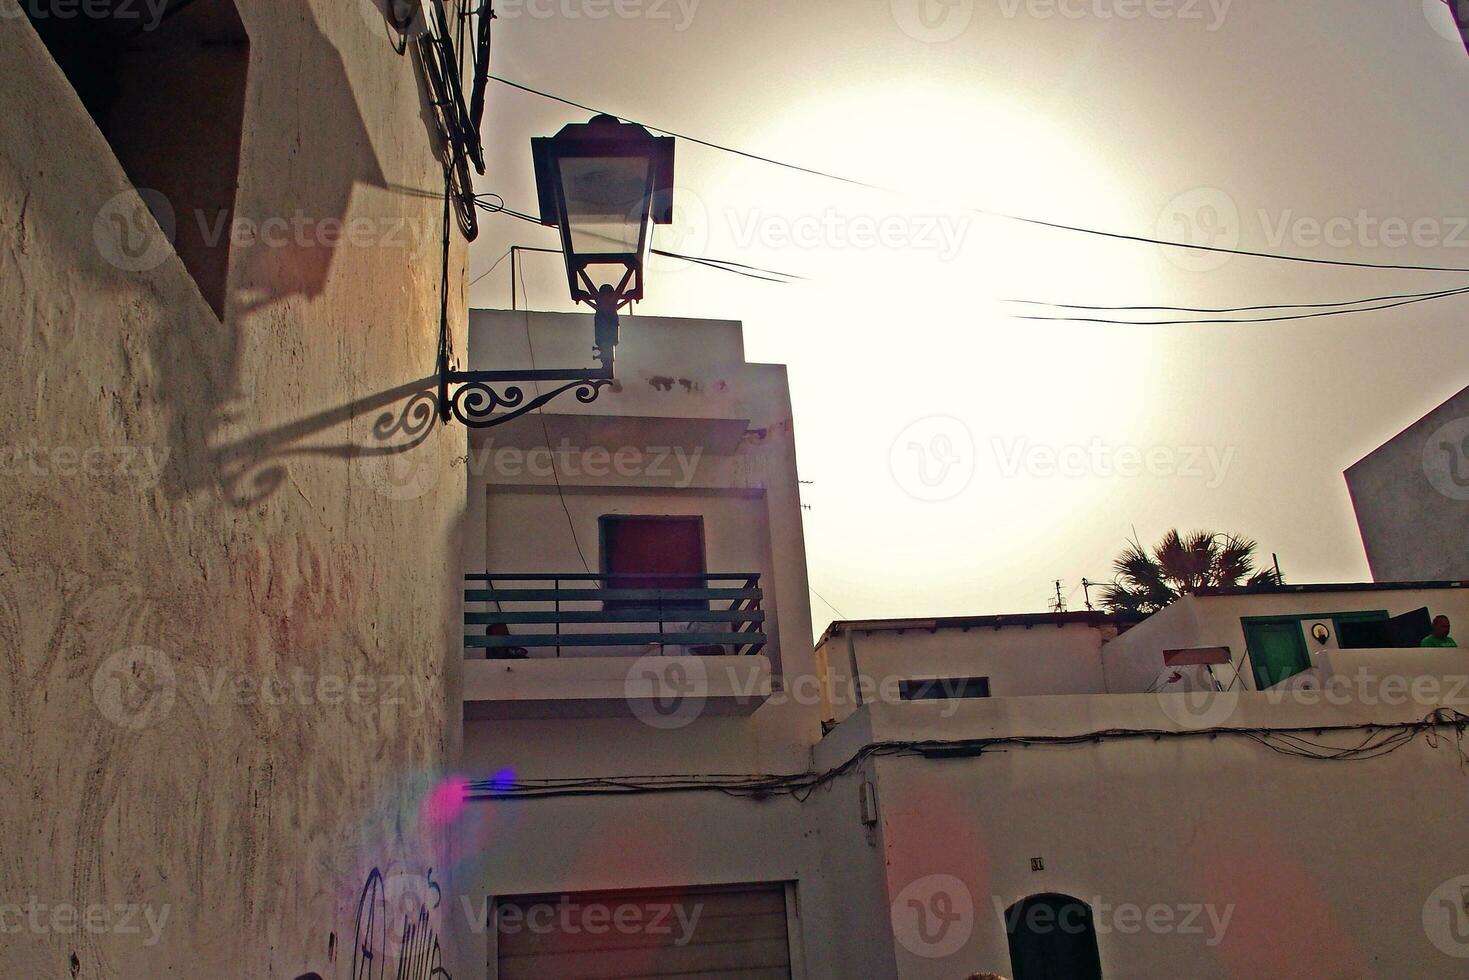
(1052, 937)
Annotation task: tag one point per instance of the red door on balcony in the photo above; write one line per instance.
(648, 552)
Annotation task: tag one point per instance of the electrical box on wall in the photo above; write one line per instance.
(869, 803)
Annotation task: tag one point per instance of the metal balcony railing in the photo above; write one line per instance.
(704, 614)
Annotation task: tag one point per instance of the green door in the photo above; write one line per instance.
(1277, 650)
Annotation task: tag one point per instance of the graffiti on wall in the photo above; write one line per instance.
(394, 929)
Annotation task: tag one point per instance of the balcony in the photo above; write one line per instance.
(587, 645)
(625, 616)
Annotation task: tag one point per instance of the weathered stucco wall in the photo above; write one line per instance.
(227, 607)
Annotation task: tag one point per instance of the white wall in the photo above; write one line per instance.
(1246, 862)
(1219, 841)
(684, 384)
(1019, 660)
(656, 841)
(1411, 507)
(1322, 868)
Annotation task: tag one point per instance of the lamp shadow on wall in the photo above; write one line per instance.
(249, 470)
(199, 360)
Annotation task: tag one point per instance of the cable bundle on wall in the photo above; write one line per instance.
(1300, 742)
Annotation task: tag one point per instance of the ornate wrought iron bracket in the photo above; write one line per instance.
(488, 398)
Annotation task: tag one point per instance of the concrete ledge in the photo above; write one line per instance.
(665, 691)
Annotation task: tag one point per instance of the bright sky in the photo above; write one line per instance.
(963, 459)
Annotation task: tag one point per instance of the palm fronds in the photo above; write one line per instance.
(1181, 564)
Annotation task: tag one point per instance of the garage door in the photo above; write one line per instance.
(677, 934)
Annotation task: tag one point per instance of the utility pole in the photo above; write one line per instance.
(1086, 593)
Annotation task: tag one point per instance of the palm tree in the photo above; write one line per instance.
(1181, 565)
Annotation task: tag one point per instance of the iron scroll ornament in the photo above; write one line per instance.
(482, 404)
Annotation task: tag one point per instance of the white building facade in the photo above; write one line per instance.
(637, 565)
(664, 778)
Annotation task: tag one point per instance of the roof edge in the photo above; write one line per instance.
(933, 624)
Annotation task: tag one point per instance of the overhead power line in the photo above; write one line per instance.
(827, 603)
(1335, 308)
(1267, 319)
(1218, 249)
(492, 268)
(1233, 309)
(723, 265)
(692, 139)
(1023, 219)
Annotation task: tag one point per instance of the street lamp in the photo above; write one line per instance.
(602, 183)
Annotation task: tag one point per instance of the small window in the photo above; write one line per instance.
(943, 688)
(165, 84)
(653, 553)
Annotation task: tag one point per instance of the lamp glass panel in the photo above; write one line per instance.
(606, 203)
(606, 273)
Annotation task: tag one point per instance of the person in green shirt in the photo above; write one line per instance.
(1440, 635)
